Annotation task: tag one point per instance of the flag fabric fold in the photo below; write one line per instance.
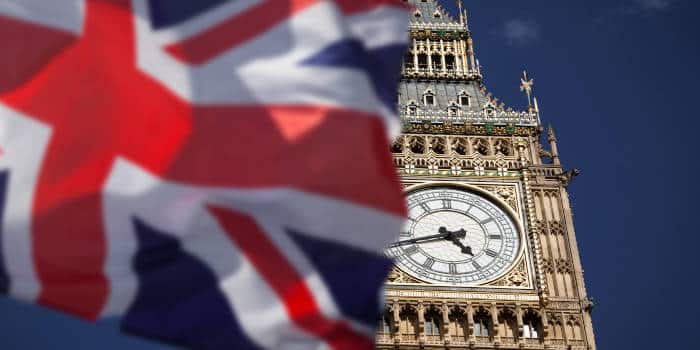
(213, 174)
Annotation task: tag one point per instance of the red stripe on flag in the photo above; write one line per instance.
(350, 7)
(26, 48)
(329, 151)
(287, 283)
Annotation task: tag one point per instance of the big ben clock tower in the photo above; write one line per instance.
(488, 256)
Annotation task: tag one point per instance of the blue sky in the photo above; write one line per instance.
(618, 81)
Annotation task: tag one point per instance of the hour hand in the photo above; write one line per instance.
(465, 249)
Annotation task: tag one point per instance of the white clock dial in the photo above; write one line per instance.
(455, 236)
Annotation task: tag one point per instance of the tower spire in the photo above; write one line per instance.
(461, 13)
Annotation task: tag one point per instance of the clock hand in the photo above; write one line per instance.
(444, 233)
(465, 249)
(418, 239)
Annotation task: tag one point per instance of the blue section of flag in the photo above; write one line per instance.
(379, 63)
(165, 13)
(354, 276)
(178, 299)
(4, 280)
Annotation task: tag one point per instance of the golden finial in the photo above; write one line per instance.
(526, 85)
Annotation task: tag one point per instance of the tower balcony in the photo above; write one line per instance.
(410, 114)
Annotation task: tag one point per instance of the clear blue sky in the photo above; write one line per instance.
(618, 81)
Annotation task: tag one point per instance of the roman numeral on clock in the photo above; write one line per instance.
(410, 250)
(476, 265)
(425, 207)
(453, 268)
(495, 237)
(491, 253)
(428, 263)
(447, 204)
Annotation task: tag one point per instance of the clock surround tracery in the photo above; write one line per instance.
(493, 236)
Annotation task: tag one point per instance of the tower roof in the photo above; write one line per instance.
(430, 12)
(441, 78)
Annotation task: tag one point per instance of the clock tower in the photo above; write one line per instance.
(488, 256)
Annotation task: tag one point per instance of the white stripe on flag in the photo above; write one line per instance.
(24, 142)
(63, 14)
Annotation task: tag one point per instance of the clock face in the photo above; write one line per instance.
(456, 237)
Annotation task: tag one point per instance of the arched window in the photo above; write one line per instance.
(503, 147)
(408, 61)
(385, 324)
(429, 98)
(482, 324)
(422, 61)
(481, 146)
(432, 323)
(458, 324)
(408, 324)
(436, 61)
(464, 99)
(412, 109)
(532, 325)
(508, 324)
(453, 110)
(450, 62)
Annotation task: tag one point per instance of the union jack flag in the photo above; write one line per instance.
(211, 173)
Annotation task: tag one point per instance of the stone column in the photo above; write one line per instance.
(470, 48)
(494, 321)
(415, 55)
(396, 309)
(519, 318)
(421, 323)
(463, 50)
(458, 57)
(429, 51)
(442, 56)
(470, 322)
(445, 323)
(553, 145)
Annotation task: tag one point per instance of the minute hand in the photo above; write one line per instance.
(442, 234)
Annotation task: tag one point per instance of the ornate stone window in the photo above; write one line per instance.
(397, 146)
(508, 324)
(450, 62)
(429, 98)
(438, 145)
(464, 99)
(385, 324)
(453, 110)
(416, 144)
(532, 325)
(408, 324)
(482, 323)
(503, 147)
(432, 323)
(412, 108)
(408, 61)
(458, 324)
(436, 61)
(422, 61)
(459, 145)
(481, 146)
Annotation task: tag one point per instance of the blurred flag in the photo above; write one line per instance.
(213, 174)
